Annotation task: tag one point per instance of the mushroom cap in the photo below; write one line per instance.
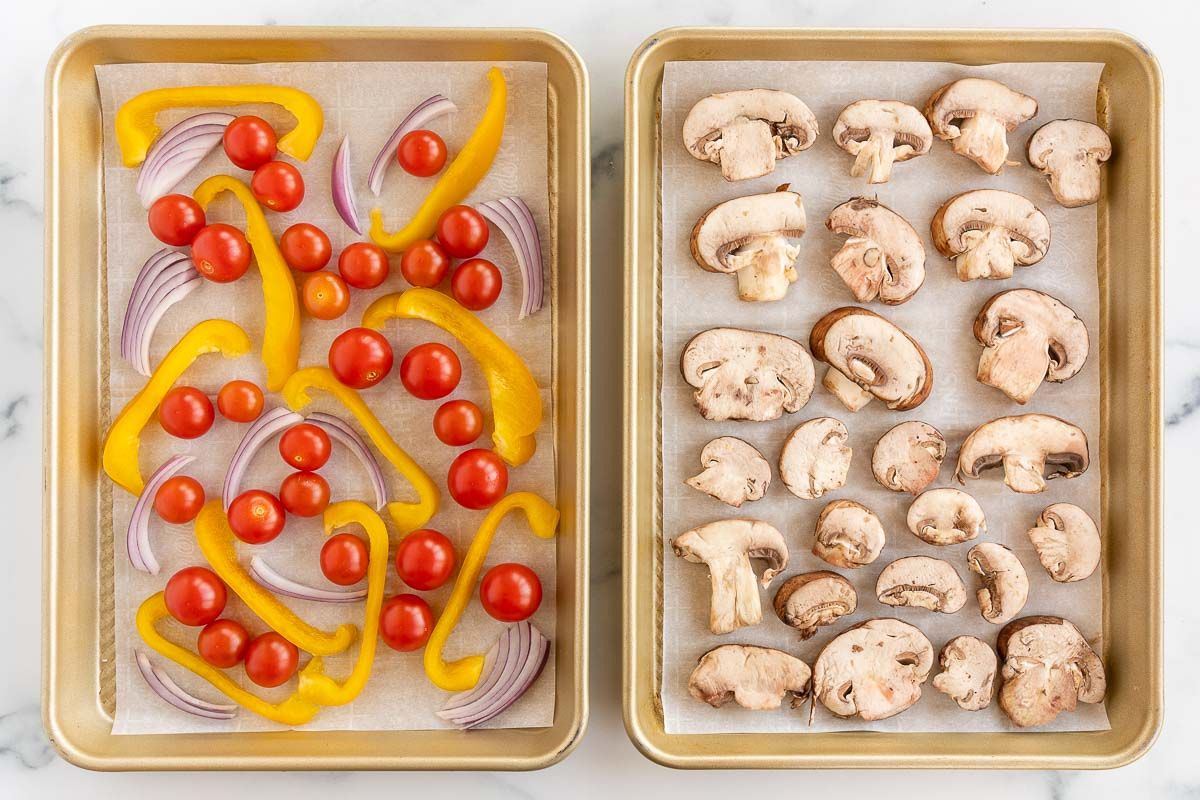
(734, 471)
(746, 131)
(1047, 667)
(1005, 584)
(946, 516)
(1026, 226)
(921, 582)
(908, 457)
(848, 535)
(968, 672)
(969, 97)
(862, 118)
(874, 354)
(1032, 448)
(898, 274)
(722, 235)
(1067, 542)
(873, 670)
(1069, 152)
(815, 458)
(751, 375)
(812, 599)
(754, 677)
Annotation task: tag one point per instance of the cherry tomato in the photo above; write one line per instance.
(175, 219)
(344, 559)
(249, 142)
(221, 253)
(305, 446)
(425, 559)
(476, 284)
(457, 422)
(430, 371)
(223, 643)
(325, 295)
(477, 478)
(271, 659)
(405, 622)
(462, 231)
(304, 494)
(195, 596)
(424, 263)
(256, 517)
(360, 357)
(240, 401)
(185, 412)
(278, 186)
(510, 592)
(305, 247)
(363, 265)
(421, 153)
(179, 499)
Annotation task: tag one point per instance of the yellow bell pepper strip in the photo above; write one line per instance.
(124, 439)
(463, 674)
(407, 516)
(460, 178)
(281, 331)
(516, 402)
(295, 710)
(137, 130)
(217, 543)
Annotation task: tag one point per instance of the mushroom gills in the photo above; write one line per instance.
(1005, 584)
(813, 599)
(921, 582)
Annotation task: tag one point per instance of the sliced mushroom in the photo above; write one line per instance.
(1028, 337)
(946, 516)
(1005, 584)
(869, 356)
(908, 457)
(734, 471)
(757, 678)
(1067, 542)
(848, 535)
(988, 232)
(747, 131)
(1048, 667)
(751, 375)
(968, 672)
(1069, 153)
(1032, 448)
(921, 582)
(880, 132)
(748, 237)
(727, 546)
(976, 115)
(874, 670)
(812, 599)
(883, 257)
(815, 458)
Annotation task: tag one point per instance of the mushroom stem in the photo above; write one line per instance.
(875, 156)
(861, 264)
(770, 272)
(853, 396)
(988, 255)
(755, 146)
(983, 139)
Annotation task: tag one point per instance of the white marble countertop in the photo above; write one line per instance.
(605, 34)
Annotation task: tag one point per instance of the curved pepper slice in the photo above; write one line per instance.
(217, 544)
(281, 331)
(460, 178)
(407, 516)
(137, 130)
(295, 710)
(516, 401)
(124, 439)
(463, 674)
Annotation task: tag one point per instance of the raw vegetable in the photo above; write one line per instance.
(240, 401)
(457, 422)
(304, 494)
(511, 666)
(222, 643)
(279, 584)
(363, 265)
(266, 426)
(256, 517)
(344, 559)
(476, 284)
(349, 438)
(278, 186)
(177, 153)
(305, 447)
(430, 371)
(477, 478)
(515, 221)
(195, 596)
(162, 685)
(360, 357)
(427, 111)
(462, 231)
(424, 263)
(342, 187)
(510, 592)
(271, 660)
(325, 295)
(305, 247)
(137, 535)
(185, 412)
(179, 499)
(166, 278)
(421, 153)
(250, 142)
(175, 219)
(405, 622)
(425, 559)
(221, 253)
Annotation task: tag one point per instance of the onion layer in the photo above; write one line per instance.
(426, 112)
(263, 428)
(137, 535)
(515, 221)
(343, 189)
(167, 689)
(509, 669)
(167, 277)
(280, 584)
(339, 429)
(177, 152)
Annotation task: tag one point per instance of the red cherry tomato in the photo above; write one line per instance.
(271, 659)
(175, 219)
(179, 499)
(221, 253)
(477, 478)
(305, 446)
(510, 592)
(325, 295)
(344, 559)
(360, 358)
(421, 153)
(278, 186)
(249, 142)
(424, 263)
(430, 371)
(476, 284)
(425, 559)
(256, 517)
(185, 412)
(223, 643)
(457, 422)
(240, 401)
(405, 622)
(462, 231)
(304, 494)
(195, 596)
(363, 265)
(305, 247)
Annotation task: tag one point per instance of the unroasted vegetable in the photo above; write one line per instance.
(162, 685)
(266, 426)
(339, 429)
(262, 572)
(426, 112)
(137, 537)
(510, 667)
(343, 188)
(177, 152)
(515, 221)
(167, 277)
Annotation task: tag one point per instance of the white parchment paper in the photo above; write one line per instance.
(939, 317)
(366, 101)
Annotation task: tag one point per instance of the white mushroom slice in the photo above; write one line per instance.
(880, 132)
(1032, 449)
(747, 131)
(921, 582)
(874, 670)
(946, 516)
(1028, 337)
(1067, 542)
(883, 257)
(727, 546)
(908, 457)
(757, 678)
(751, 375)
(748, 237)
(848, 535)
(1069, 153)
(1048, 667)
(968, 672)
(812, 599)
(734, 471)
(988, 232)
(976, 115)
(1005, 584)
(815, 458)
(871, 357)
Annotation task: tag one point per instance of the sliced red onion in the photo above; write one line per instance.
(167, 277)
(178, 151)
(343, 188)
(268, 577)
(339, 429)
(162, 685)
(270, 423)
(509, 669)
(426, 112)
(137, 535)
(515, 221)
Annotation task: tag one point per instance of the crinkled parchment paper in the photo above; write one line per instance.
(939, 316)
